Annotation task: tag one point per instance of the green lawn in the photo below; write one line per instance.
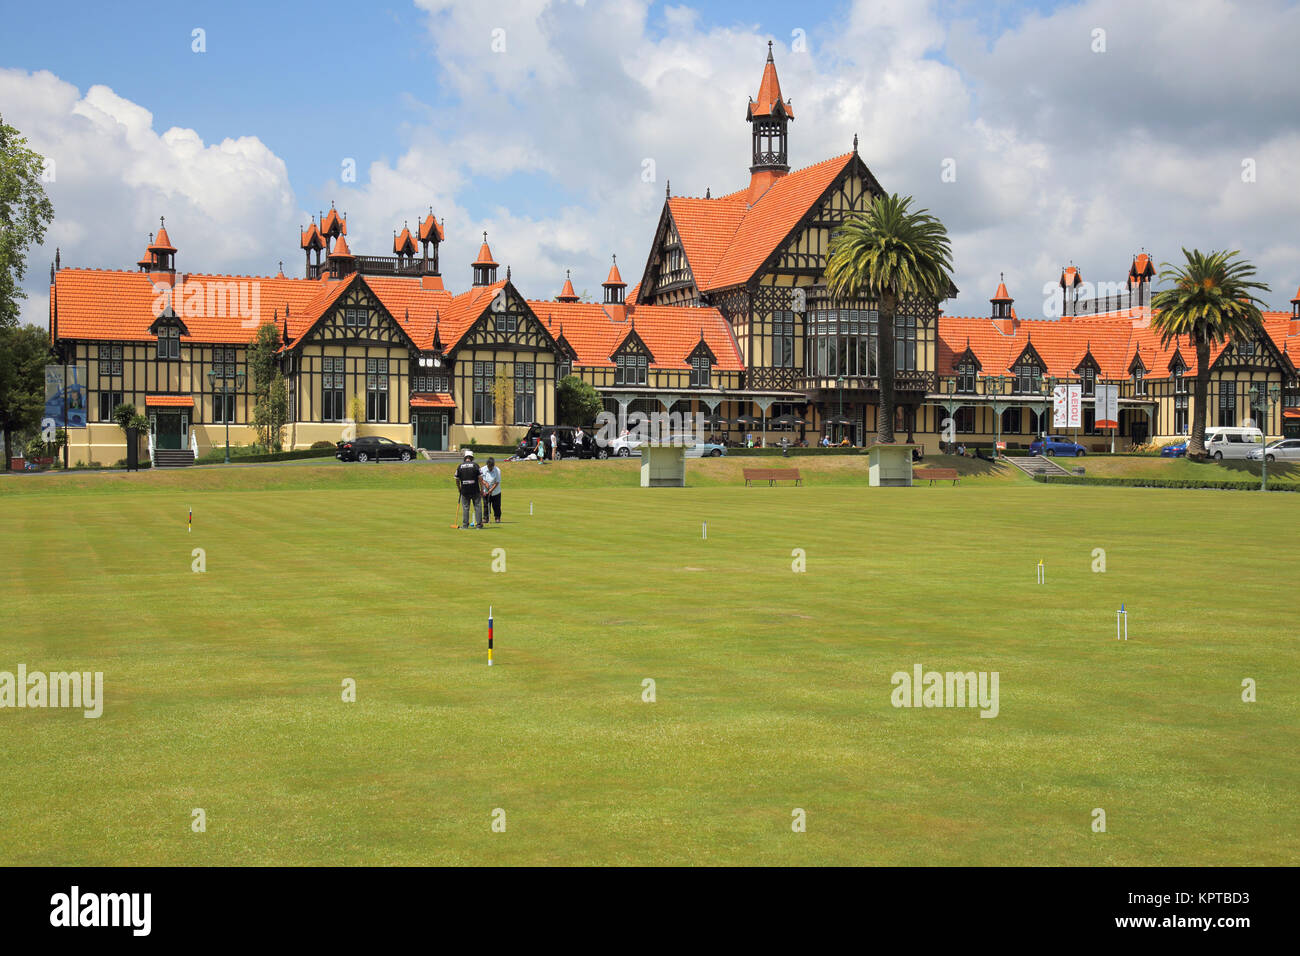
(773, 688)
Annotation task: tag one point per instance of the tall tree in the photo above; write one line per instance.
(24, 351)
(25, 211)
(270, 394)
(1210, 300)
(577, 402)
(886, 253)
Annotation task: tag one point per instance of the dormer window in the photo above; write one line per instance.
(701, 371)
(631, 369)
(966, 378)
(1139, 381)
(1027, 378)
(169, 342)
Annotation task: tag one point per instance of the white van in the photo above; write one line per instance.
(1221, 443)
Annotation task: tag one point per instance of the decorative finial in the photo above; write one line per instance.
(668, 188)
(769, 51)
(485, 235)
(708, 193)
(855, 142)
(507, 272)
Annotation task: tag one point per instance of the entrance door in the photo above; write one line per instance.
(168, 433)
(431, 431)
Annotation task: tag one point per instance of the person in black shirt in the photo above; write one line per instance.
(467, 481)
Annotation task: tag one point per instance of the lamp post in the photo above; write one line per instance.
(999, 384)
(224, 389)
(839, 383)
(1260, 397)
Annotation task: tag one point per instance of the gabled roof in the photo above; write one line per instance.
(332, 222)
(404, 242)
(1113, 341)
(671, 333)
(430, 228)
(728, 239)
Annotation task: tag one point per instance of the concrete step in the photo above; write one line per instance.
(1037, 465)
(172, 458)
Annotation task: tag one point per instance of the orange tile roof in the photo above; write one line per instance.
(1142, 266)
(1001, 295)
(769, 98)
(671, 333)
(485, 254)
(567, 294)
(311, 239)
(333, 222)
(432, 400)
(162, 243)
(1113, 340)
(614, 279)
(727, 239)
(1296, 298)
(341, 250)
(1071, 277)
(431, 229)
(169, 401)
(403, 241)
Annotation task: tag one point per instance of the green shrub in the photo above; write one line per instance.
(324, 444)
(1222, 484)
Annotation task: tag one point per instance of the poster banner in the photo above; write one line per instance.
(69, 379)
(1060, 398)
(1074, 404)
(1107, 406)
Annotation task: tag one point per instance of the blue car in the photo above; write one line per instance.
(1053, 445)
(1174, 451)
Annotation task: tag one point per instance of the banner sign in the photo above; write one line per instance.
(1067, 406)
(69, 380)
(1107, 406)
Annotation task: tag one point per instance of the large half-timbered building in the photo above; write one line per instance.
(731, 318)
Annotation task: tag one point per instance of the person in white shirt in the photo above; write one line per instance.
(491, 481)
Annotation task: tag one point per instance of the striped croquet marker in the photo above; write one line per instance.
(489, 635)
(189, 526)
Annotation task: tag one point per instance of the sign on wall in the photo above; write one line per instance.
(1067, 406)
(1107, 406)
(72, 379)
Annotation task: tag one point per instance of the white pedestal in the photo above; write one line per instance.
(891, 465)
(663, 466)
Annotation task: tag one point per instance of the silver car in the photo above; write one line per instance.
(1284, 449)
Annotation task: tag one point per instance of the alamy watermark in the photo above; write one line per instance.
(77, 689)
(922, 688)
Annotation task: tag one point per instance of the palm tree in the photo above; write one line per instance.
(1210, 301)
(886, 253)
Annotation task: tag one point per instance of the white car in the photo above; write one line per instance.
(1284, 449)
(625, 446)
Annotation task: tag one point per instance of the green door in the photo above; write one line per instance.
(168, 434)
(429, 430)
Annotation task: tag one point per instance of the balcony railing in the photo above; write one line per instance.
(377, 266)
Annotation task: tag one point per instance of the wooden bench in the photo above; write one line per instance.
(772, 475)
(937, 474)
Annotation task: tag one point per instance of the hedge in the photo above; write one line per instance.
(481, 449)
(1221, 484)
(776, 450)
(274, 456)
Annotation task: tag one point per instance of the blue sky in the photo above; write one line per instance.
(1064, 154)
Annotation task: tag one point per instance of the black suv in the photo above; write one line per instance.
(566, 445)
(373, 448)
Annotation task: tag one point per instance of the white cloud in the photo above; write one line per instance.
(229, 204)
(1062, 154)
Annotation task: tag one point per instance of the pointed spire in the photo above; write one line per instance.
(567, 294)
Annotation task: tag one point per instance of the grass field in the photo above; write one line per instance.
(223, 688)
